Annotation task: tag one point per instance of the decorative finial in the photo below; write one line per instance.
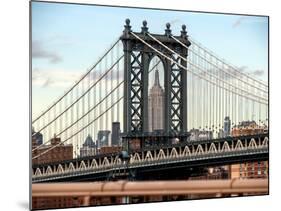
(184, 32)
(144, 23)
(127, 22)
(144, 29)
(127, 27)
(168, 25)
(183, 27)
(168, 30)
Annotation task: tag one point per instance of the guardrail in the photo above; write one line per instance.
(149, 188)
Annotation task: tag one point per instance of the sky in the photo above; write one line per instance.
(68, 38)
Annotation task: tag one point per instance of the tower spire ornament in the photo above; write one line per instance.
(156, 79)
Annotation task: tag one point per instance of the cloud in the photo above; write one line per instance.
(243, 68)
(39, 52)
(258, 72)
(221, 73)
(175, 21)
(238, 22)
(47, 83)
(61, 78)
(54, 78)
(112, 75)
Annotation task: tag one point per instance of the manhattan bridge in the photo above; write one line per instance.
(201, 90)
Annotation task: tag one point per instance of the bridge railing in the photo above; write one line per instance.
(151, 188)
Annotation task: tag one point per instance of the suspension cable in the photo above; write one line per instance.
(89, 110)
(85, 114)
(221, 61)
(200, 67)
(230, 65)
(188, 69)
(93, 85)
(79, 130)
(104, 55)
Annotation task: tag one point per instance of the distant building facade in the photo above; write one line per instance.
(248, 128)
(103, 138)
(115, 135)
(198, 135)
(227, 126)
(221, 133)
(89, 147)
(249, 169)
(59, 153)
(38, 137)
(156, 105)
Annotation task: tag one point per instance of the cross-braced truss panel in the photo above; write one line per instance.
(136, 91)
(176, 121)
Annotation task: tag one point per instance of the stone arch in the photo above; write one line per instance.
(105, 162)
(253, 144)
(136, 158)
(148, 156)
(265, 141)
(239, 145)
(117, 160)
(82, 165)
(199, 150)
(213, 148)
(225, 147)
(161, 155)
(38, 172)
(60, 169)
(49, 170)
(174, 153)
(71, 167)
(186, 151)
(94, 164)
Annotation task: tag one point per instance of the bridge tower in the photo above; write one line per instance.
(137, 57)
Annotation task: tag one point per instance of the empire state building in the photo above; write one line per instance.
(156, 105)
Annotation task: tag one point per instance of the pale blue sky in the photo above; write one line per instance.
(68, 38)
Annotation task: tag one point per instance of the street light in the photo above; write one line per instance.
(124, 156)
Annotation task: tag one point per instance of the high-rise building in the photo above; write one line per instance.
(103, 138)
(115, 135)
(38, 137)
(89, 147)
(156, 105)
(227, 126)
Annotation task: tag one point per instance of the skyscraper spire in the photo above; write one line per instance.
(156, 79)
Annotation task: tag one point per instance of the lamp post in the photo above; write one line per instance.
(124, 156)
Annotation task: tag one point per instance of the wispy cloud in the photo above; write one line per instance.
(233, 74)
(54, 78)
(258, 72)
(61, 78)
(238, 22)
(39, 52)
(175, 21)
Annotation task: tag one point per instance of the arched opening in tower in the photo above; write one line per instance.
(156, 96)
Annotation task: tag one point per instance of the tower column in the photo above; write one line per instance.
(145, 62)
(167, 100)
